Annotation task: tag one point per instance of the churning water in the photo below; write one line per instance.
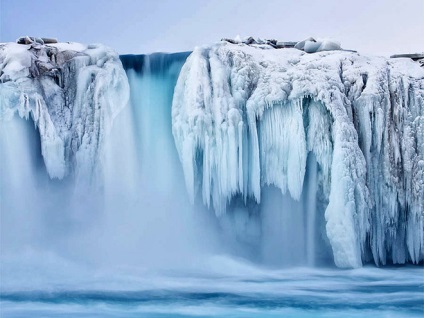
(136, 247)
(222, 287)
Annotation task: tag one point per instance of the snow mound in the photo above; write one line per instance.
(245, 117)
(71, 91)
(309, 45)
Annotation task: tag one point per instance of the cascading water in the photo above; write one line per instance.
(98, 167)
(133, 210)
(164, 225)
(135, 164)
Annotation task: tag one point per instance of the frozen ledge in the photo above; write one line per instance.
(245, 117)
(309, 45)
(71, 91)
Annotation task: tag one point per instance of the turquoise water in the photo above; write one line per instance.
(232, 290)
(66, 265)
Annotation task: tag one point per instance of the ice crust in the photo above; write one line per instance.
(245, 117)
(72, 92)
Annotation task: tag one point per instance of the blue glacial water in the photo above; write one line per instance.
(69, 264)
(221, 288)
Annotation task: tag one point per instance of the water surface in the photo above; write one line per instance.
(221, 288)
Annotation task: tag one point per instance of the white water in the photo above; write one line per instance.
(135, 213)
(311, 210)
(218, 287)
(134, 227)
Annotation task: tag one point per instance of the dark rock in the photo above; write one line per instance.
(24, 40)
(272, 44)
(49, 40)
(29, 40)
(283, 45)
(412, 56)
(272, 41)
(229, 41)
(249, 41)
(21, 40)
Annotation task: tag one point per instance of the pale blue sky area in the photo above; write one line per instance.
(379, 27)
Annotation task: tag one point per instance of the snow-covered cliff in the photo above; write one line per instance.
(247, 117)
(72, 92)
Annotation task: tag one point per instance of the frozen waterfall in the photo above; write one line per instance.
(246, 118)
(288, 158)
(89, 171)
(72, 93)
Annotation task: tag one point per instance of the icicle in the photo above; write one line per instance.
(261, 111)
(73, 119)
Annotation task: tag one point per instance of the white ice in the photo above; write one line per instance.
(245, 117)
(72, 92)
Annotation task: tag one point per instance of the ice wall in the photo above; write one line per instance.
(269, 139)
(118, 199)
(72, 93)
(244, 118)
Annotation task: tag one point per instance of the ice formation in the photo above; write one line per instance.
(309, 45)
(71, 91)
(246, 117)
(343, 130)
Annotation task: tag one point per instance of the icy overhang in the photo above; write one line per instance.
(245, 116)
(71, 91)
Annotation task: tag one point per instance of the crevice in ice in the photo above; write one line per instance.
(364, 80)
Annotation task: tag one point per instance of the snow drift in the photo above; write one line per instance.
(245, 117)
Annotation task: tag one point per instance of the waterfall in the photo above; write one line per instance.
(159, 160)
(133, 209)
(311, 207)
(247, 118)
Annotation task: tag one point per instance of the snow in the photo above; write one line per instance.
(310, 45)
(244, 118)
(72, 93)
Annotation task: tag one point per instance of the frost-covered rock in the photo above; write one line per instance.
(309, 45)
(245, 117)
(71, 91)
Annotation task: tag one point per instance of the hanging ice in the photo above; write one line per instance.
(72, 93)
(245, 117)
